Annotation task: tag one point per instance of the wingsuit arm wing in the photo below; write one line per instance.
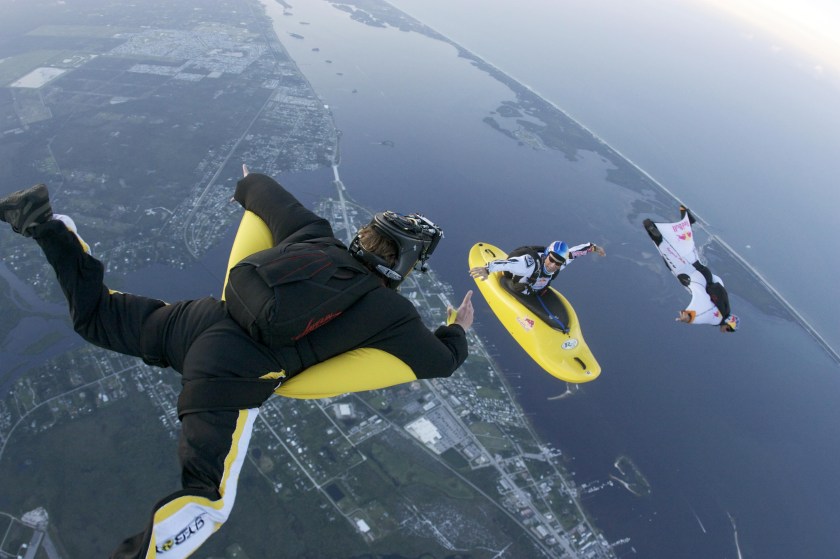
(287, 219)
(582, 250)
(446, 361)
(517, 265)
(707, 274)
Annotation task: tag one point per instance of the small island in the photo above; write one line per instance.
(631, 477)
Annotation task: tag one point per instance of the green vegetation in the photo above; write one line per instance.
(94, 460)
(43, 343)
(523, 438)
(569, 516)
(491, 437)
(11, 313)
(235, 551)
(491, 393)
(539, 469)
(415, 472)
(455, 459)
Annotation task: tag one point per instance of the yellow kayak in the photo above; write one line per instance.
(547, 328)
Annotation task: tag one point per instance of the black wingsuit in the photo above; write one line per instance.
(225, 374)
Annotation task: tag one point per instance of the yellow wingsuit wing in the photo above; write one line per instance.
(354, 371)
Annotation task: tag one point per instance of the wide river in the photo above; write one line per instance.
(740, 425)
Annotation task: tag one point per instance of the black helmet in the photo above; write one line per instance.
(416, 238)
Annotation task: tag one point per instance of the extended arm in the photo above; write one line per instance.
(586, 248)
(706, 273)
(286, 217)
(453, 337)
(212, 449)
(518, 266)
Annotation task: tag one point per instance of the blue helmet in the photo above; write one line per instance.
(558, 250)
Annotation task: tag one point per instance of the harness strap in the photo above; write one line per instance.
(550, 314)
(534, 252)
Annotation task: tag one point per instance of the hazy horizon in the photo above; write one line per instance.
(729, 116)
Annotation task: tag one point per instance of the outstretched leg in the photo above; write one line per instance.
(707, 274)
(108, 319)
(287, 219)
(212, 450)
(26, 208)
(653, 231)
(685, 211)
(134, 325)
(113, 321)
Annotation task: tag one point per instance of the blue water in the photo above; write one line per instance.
(726, 114)
(740, 425)
(49, 321)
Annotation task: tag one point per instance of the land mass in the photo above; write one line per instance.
(424, 468)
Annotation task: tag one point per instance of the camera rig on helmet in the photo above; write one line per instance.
(415, 236)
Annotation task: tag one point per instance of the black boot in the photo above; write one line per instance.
(26, 208)
(683, 211)
(654, 233)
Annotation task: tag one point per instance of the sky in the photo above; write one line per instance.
(733, 106)
(811, 26)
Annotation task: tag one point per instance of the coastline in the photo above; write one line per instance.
(833, 352)
(569, 486)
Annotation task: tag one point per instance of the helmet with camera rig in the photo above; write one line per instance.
(415, 237)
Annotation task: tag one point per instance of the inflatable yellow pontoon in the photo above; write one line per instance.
(354, 371)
